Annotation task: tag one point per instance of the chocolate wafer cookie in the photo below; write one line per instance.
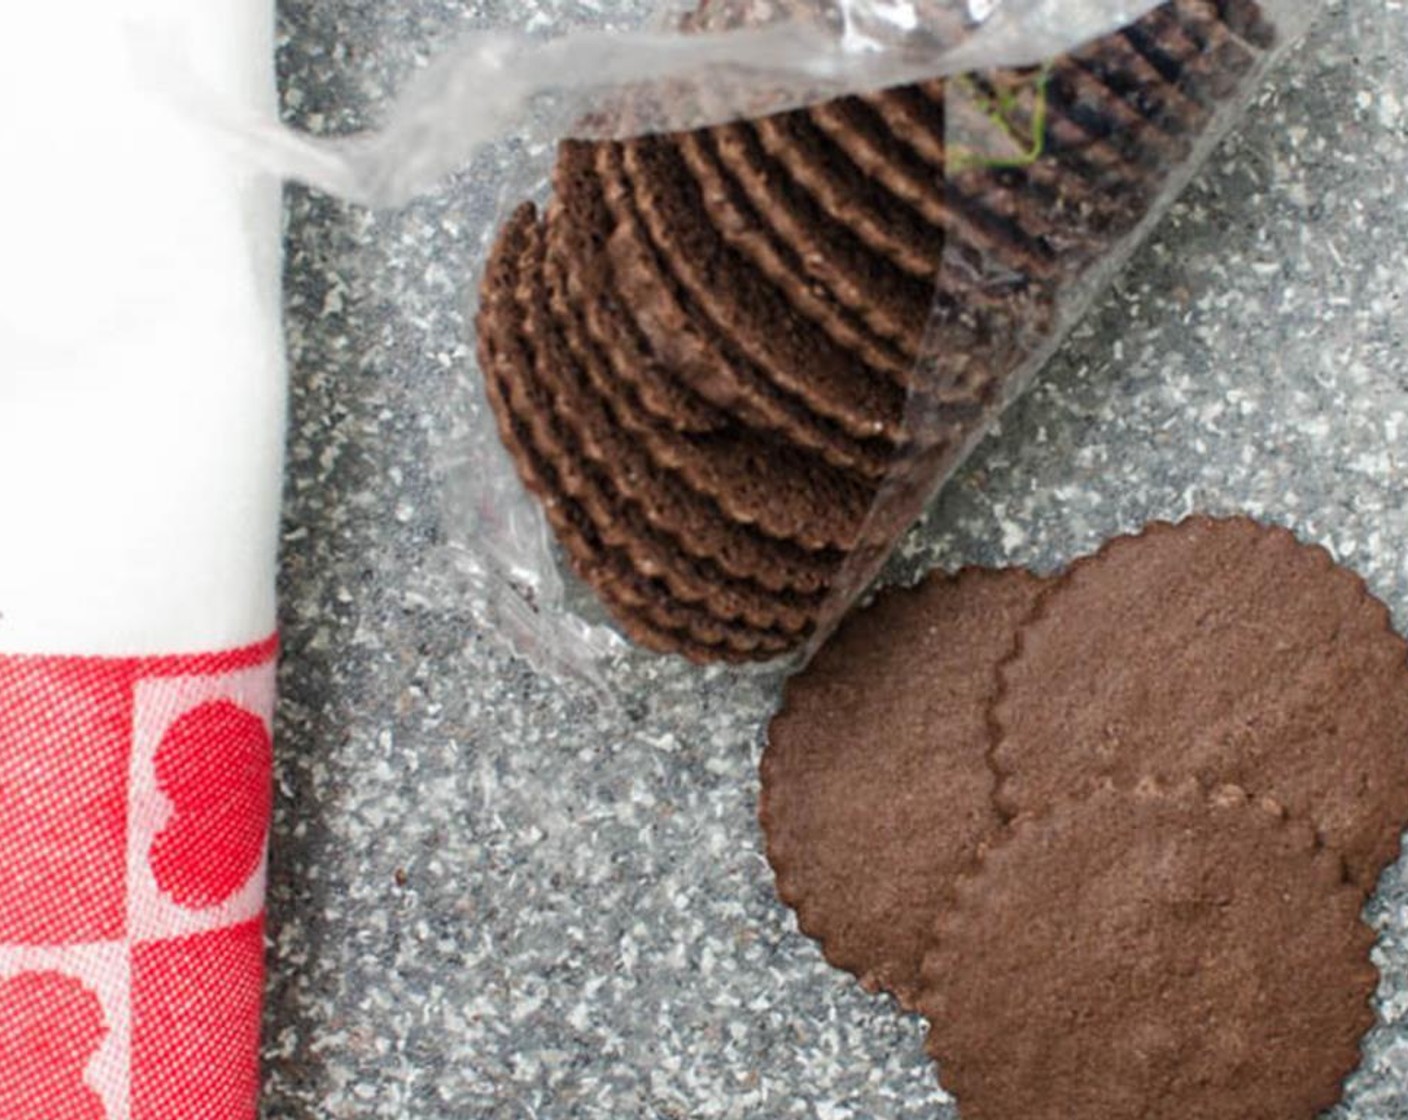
(1038, 193)
(845, 193)
(1078, 147)
(1076, 92)
(749, 233)
(743, 304)
(1150, 955)
(579, 225)
(606, 474)
(604, 551)
(705, 358)
(499, 352)
(1222, 650)
(786, 492)
(976, 333)
(1188, 41)
(876, 790)
(1125, 72)
(1033, 198)
(746, 353)
(714, 529)
(892, 303)
(859, 131)
(516, 398)
(1247, 20)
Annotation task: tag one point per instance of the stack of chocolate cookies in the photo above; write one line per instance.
(1109, 831)
(733, 363)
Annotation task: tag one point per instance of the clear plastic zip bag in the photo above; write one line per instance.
(796, 258)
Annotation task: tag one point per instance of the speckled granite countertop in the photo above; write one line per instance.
(494, 898)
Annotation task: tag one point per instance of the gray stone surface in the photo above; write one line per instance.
(495, 897)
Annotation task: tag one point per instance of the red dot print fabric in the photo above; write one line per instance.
(135, 798)
(215, 766)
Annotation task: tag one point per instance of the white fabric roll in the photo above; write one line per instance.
(142, 391)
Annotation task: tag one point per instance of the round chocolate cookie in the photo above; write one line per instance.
(876, 788)
(642, 606)
(863, 134)
(852, 198)
(705, 358)
(1127, 73)
(696, 523)
(1034, 197)
(1222, 650)
(749, 233)
(893, 304)
(1082, 144)
(786, 492)
(1043, 197)
(739, 300)
(1188, 40)
(738, 359)
(555, 400)
(1150, 955)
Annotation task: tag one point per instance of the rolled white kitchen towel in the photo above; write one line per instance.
(142, 399)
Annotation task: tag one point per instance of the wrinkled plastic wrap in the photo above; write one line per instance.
(1064, 192)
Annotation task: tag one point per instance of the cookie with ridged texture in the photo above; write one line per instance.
(704, 358)
(876, 791)
(641, 605)
(992, 286)
(579, 225)
(1098, 157)
(856, 129)
(1034, 197)
(1076, 153)
(1223, 650)
(783, 491)
(597, 469)
(740, 302)
(699, 524)
(1114, 61)
(750, 234)
(852, 198)
(1122, 110)
(735, 396)
(1151, 955)
(695, 523)
(496, 354)
(968, 356)
(525, 391)
(1076, 95)
(1190, 44)
(893, 304)
(1248, 21)
(949, 330)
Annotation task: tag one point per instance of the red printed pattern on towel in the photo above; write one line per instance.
(135, 797)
